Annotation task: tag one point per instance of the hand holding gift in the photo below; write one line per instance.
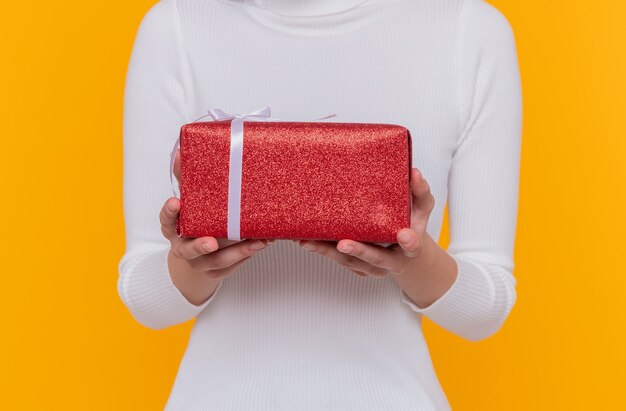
(217, 258)
(369, 259)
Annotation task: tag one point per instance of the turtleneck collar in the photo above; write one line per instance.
(301, 8)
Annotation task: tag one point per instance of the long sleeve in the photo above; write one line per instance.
(484, 177)
(155, 95)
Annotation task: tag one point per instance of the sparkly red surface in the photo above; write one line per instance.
(300, 180)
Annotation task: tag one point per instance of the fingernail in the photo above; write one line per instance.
(404, 237)
(171, 206)
(346, 248)
(207, 247)
(308, 246)
(257, 245)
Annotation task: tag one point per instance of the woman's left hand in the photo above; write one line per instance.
(367, 259)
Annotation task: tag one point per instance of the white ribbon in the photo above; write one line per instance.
(236, 160)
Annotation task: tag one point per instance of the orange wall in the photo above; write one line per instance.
(69, 343)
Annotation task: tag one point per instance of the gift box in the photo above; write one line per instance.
(294, 180)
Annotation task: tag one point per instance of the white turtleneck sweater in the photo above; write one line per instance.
(291, 329)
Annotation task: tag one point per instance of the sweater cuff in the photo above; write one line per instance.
(468, 298)
(151, 294)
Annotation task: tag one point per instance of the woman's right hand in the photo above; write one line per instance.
(198, 265)
(216, 258)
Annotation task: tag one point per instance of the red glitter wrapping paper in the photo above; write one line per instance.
(300, 180)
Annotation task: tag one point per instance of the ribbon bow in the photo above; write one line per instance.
(236, 159)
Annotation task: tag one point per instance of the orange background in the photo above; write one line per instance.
(69, 343)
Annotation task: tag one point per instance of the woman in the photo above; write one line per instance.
(279, 326)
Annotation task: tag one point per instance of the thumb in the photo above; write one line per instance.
(422, 196)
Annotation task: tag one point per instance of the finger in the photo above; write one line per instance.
(223, 272)
(423, 200)
(177, 165)
(168, 215)
(329, 250)
(410, 242)
(225, 242)
(373, 254)
(225, 257)
(191, 248)
(359, 273)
